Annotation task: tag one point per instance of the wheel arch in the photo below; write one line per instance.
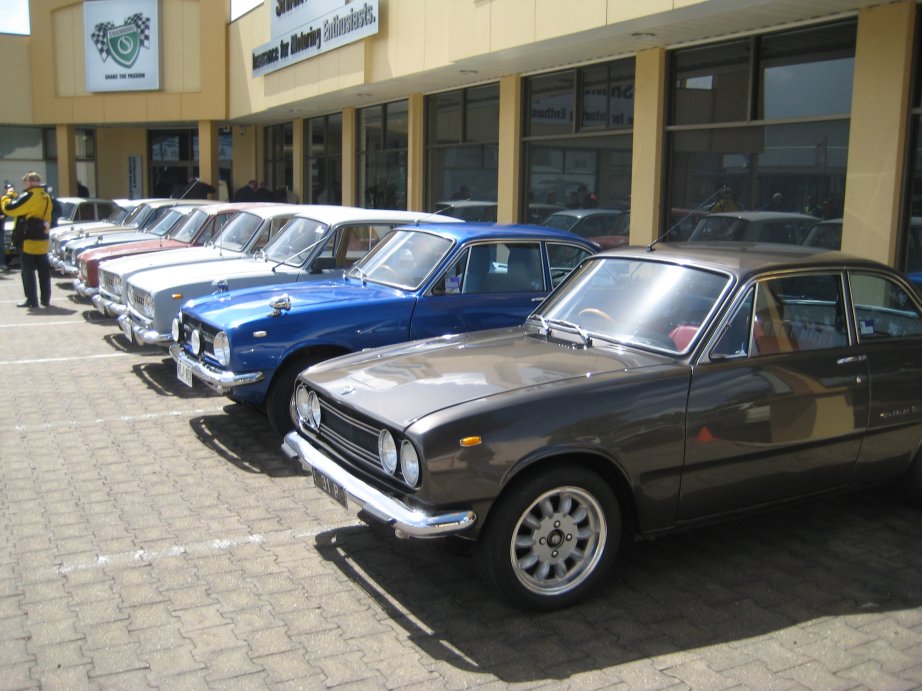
(309, 353)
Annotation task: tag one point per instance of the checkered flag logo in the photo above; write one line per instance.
(122, 43)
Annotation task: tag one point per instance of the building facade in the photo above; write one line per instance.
(508, 108)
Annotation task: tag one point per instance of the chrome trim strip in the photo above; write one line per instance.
(219, 380)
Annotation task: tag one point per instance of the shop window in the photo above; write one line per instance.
(278, 165)
(462, 147)
(578, 145)
(761, 124)
(911, 260)
(382, 156)
(323, 162)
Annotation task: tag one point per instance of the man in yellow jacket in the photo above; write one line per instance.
(34, 207)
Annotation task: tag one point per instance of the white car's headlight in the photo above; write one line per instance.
(176, 329)
(222, 348)
(387, 451)
(148, 305)
(195, 342)
(409, 463)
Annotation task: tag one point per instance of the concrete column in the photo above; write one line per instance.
(67, 161)
(509, 157)
(350, 148)
(416, 152)
(297, 153)
(208, 169)
(647, 159)
(877, 136)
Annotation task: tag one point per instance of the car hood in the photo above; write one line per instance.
(248, 304)
(169, 258)
(104, 239)
(129, 248)
(170, 276)
(401, 384)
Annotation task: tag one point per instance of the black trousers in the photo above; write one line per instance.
(30, 265)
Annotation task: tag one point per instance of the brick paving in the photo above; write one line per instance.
(155, 536)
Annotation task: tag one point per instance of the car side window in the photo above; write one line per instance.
(882, 308)
(497, 267)
(351, 243)
(734, 341)
(563, 258)
(803, 312)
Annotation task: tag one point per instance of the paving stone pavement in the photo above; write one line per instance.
(155, 536)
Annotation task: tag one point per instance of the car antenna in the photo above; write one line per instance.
(702, 206)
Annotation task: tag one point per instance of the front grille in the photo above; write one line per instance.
(136, 300)
(208, 333)
(350, 436)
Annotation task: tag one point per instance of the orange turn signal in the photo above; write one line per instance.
(471, 441)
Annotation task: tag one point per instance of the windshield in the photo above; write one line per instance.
(137, 215)
(238, 232)
(186, 231)
(67, 209)
(118, 215)
(560, 221)
(296, 241)
(635, 302)
(404, 258)
(166, 222)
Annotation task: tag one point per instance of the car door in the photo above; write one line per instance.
(889, 331)
(488, 285)
(779, 404)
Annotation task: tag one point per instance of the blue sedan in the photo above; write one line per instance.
(418, 282)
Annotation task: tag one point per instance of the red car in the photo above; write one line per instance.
(202, 225)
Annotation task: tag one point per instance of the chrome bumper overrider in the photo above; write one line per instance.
(219, 380)
(107, 306)
(406, 521)
(141, 334)
(83, 290)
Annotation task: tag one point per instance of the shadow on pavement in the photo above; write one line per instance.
(849, 555)
(160, 376)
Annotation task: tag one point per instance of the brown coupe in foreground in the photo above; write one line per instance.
(654, 389)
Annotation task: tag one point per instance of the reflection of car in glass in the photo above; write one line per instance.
(753, 226)
(652, 391)
(315, 243)
(468, 210)
(607, 227)
(825, 234)
(417, 282)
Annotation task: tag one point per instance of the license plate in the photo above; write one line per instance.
(126, 329)
(329, 487)
(184, 373)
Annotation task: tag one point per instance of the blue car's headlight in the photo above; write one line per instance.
(222, 348)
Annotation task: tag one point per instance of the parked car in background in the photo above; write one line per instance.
(316, 243)
(753, 226)
(826, 234)
(82, 209)
(606, 227)
(200, 227)
(652, 391)
(468, 210)
(253, 225)
(419, 281)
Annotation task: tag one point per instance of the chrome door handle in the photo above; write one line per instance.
(850, 359)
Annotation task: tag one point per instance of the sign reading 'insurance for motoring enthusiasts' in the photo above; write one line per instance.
(301, 29)
(122, 45)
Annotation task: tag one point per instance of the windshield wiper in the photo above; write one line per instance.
(363, 277)
(299, 252)
(548, 324)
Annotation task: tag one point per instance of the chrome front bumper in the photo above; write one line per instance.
(107, 306)
(140, 334)
(219, 380)
(83, 290)
(405, 520)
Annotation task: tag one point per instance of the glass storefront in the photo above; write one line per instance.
(382, 156)
(911, 259)
(762, 123)
(278, 148)
(462, 143)
(578, 139)
(323, 160)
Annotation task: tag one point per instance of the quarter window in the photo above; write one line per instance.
(883, 309)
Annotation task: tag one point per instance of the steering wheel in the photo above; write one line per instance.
(595, 312)
(387, 270)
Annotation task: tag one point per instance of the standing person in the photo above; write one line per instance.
(7, 189)
(245, 193)
(263, 194)
(34, 207)
(82, 190)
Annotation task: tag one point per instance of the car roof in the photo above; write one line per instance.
(462, 232)
(79, 200)
(581, 213)
(745, 258)
(762, 215)
(342, 214)
(461, 203)
(261, 209)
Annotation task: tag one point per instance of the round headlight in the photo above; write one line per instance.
(176, 330)
(308, 406)
(195, 342)
(222, 348)
(409, 463)
(387, 451)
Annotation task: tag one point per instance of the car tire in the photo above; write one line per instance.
(278, 399)
(570, 507)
